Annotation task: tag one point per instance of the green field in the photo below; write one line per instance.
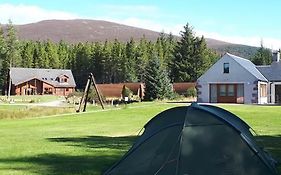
(88, 143)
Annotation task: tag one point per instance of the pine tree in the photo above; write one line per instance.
(3, 49)
(97, 62)
(27, 53)
(13, 57)
(201, 60)
(182, 55)
(115, 62)
(157, 83)
(129, 62)
(52, 57)
(82, 67)
(190, 57)
(169, 49)
(63, 54)
(142, 56)
(40, 56)
(263, 56)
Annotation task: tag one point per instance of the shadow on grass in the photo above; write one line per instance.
(106, 151)
(58, 164)
(120, 143)
(271, 144)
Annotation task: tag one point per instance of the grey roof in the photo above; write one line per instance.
(249, 66)
(21, 75)
(271, 72)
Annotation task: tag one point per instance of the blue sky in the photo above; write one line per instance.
(240, 21)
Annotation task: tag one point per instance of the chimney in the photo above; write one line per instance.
(276, 56)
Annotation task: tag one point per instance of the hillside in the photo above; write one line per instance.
(236, 49)
(75, 31)
(82, 30)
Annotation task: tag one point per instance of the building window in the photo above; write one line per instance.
(263, 90)
(230, 90)
(226, 68)
(65, 80)
(66, 89)
(222, 90)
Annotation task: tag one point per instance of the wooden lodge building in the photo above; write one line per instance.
(32, 81)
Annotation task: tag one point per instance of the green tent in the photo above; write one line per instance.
(195, 140)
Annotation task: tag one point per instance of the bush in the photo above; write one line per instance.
(191, 92)
(32, 101)
(93, 96)
(126, 92)
(175, 96)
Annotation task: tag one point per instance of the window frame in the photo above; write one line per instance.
(226, 68)
(263, 90)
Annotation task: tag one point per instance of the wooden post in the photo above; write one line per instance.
(84, 99)
(10, 84)
(86, 92)
(97, 90)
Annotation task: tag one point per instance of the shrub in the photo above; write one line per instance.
(126, 92)
(32, 101)
(175, 96)
(191, 92)
(93, 96)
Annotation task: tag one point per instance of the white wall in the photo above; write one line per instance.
(262, 100)
(237, 74)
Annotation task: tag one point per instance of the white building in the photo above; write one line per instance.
(233, 79)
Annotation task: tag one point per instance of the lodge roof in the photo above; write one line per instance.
(21, 75)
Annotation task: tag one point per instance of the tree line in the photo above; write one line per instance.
(181, 60)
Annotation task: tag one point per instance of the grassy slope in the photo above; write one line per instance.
(89, 143)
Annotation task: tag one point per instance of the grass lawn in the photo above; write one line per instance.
(88, 143)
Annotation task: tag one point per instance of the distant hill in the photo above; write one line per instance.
(82, 30)
(236, 49)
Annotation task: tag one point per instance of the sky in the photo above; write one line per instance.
(248, 22)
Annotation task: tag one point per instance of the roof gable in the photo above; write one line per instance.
(247, 65)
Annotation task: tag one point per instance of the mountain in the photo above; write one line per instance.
(237, 49)
(75, 31)
(82, 30)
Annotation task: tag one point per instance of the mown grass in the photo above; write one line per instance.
(88, 143)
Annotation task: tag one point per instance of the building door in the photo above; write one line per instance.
(213, 93)
(227, 93)
(240, 93)
(277, 93)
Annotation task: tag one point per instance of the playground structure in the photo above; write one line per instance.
(83, 101)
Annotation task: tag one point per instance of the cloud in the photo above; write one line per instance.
(146, 24)
(268, 42)
(22, 14)
(131, 9)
